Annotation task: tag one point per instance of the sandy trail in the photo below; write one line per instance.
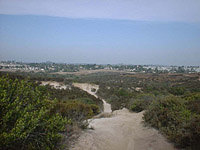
(123, 131)
(88, 88)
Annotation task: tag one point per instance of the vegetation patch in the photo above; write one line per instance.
(76, 110)
(38, 117)
(26, 121)
(174, 119)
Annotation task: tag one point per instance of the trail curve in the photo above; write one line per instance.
(123, 131)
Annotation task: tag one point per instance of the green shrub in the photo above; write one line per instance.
(70, 94)
(194, 132)
(193, 102)
(171, 116)
(76, 110)
(86, 100)
(177, 90)
(25, 120)
(139, 105)
(93, 90)
(142, 103)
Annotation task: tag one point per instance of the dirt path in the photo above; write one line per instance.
(123, 131)
(88, 88)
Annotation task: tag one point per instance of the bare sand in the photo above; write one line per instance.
(56, 85)
(124, 130)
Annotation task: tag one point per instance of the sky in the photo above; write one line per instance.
(162, 32)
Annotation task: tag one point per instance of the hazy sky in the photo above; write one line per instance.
(101, 31)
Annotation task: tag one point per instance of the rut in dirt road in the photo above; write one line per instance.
(124, 130)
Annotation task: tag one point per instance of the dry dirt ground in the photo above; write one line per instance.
(123, 130)
(56, 85)
(85, 72)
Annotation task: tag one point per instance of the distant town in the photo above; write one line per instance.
(51, 67)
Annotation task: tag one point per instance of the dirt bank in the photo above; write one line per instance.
(88, 88)
(123, 131)
(56, 85)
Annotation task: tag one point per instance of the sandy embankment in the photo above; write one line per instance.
(123, 131)
(88, 88)
(56, 85)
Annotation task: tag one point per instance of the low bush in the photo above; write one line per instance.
(76, 110)
(25, 119)
(93, 90)
(172, 117)
(86, 100)
(177, 90)
(139, 105)
(142, 102)
(193, 102)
